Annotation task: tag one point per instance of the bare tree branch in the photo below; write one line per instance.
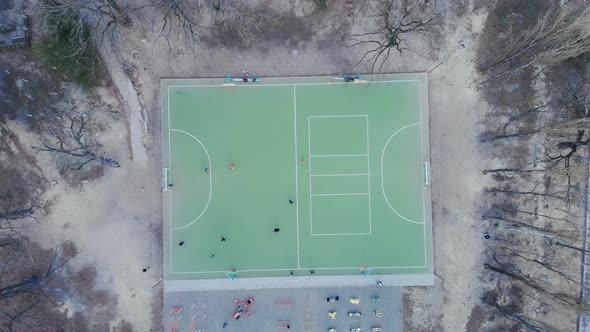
(559, 35)
(69, 139)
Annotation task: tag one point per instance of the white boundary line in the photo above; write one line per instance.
(302, 77)
(210, 179)
(383, 184)
(338, 155)
(170, 193)
(356, 268)
(253, 85)
(369, 178)
(345, 194)
(296, 166)
(423, 200)
(339, 174)
(310, 156)
(309, 175)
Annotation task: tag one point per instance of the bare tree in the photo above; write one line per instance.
(104, 16)
(533, 217)
(8, 219)
(27, 280)
(241, 21)
(538, 144)
(69, 139)
(567, 149)
(518, 275)
(397, 22)
(193, 21)
(175, 18)
(491, 298)
(35, 282)
(560, 34)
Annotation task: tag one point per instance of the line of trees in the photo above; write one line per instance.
(534, 212)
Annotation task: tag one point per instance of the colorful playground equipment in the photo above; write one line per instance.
(350, 78)
(244, 79)
(242, 308)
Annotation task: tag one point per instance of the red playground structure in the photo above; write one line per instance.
(242, 308)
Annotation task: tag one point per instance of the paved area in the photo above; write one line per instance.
(298, 282)
(273, 309)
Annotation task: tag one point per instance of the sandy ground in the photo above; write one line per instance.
(457, 180)
(116, 221)
(113, 220)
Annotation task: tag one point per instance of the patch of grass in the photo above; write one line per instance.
(82, 70)
(69, 48)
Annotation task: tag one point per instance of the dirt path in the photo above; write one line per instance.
(129, 99)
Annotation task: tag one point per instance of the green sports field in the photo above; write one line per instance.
(352, 158)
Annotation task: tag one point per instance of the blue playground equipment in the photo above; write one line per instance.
(244, 79)
(350, 78)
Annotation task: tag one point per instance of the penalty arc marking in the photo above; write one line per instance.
(383, 184)
(210, 179)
